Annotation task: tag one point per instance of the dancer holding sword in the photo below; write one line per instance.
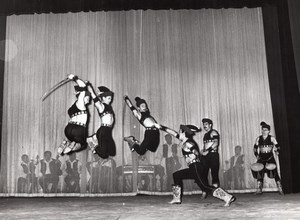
(76, 130)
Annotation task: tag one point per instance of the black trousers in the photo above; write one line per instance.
(76, 133)
(196, 171)
(106, 144)
(212, 162)
(150, 142)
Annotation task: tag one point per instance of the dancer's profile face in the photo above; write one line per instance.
(181, 134)
(86, 100)
(107, 99)
(143, 107)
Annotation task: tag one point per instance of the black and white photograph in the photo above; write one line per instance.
(144, 109)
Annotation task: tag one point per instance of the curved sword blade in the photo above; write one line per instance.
(55, 87)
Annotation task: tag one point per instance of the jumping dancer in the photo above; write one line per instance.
(76, 129)
(151, 135)
(196, 167)
(106, 145)
(264, 149)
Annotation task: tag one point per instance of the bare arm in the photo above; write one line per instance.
(99, 106)
(135, 112)
(255, 148)
(277, 147)
(168, 130)
(82, 87)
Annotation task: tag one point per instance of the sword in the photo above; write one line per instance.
(55, 87)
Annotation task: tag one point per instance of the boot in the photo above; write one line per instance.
(69, 148)
(62, 147)
(203, 195)
(223, 195)
(259, 188)
(176, 194)
(279, 186)
(131, 142)
(92, 143)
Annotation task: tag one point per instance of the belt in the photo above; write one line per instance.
(151, 128)
(106, 125)
(79, 113)
(213, 151)
(194, 161)
(265, 151)
(104, 113)
(266, 148)
(77, 123)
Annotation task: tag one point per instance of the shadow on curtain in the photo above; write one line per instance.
(187, 65)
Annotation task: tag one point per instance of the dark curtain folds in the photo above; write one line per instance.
(9, 7)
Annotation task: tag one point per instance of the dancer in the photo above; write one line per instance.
(151, 135)
(76, 129)
(196, 167)
(264, 149)
(211, 142)
(106, 145)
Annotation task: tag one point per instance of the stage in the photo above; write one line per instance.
(247, 206)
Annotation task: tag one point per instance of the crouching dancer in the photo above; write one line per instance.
(76, 129)
(196, 167)
(151, 135)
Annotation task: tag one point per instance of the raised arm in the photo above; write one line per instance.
(168, 130)
(79, 81)
(99, 106)
(81, 88)
(135, 112)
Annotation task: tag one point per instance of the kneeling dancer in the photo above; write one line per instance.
(196, 167)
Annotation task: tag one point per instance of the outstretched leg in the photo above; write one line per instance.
(65, 143)
(223, 195)
(134, 144)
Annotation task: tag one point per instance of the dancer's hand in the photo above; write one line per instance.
(203, 152)
(87, 83)
(71, 76)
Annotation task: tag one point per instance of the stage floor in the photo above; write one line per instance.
(247, 206)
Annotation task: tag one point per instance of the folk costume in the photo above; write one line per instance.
(106, 145)
(151, 135)
(196, 166)
(264, 150)
(76, 130)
